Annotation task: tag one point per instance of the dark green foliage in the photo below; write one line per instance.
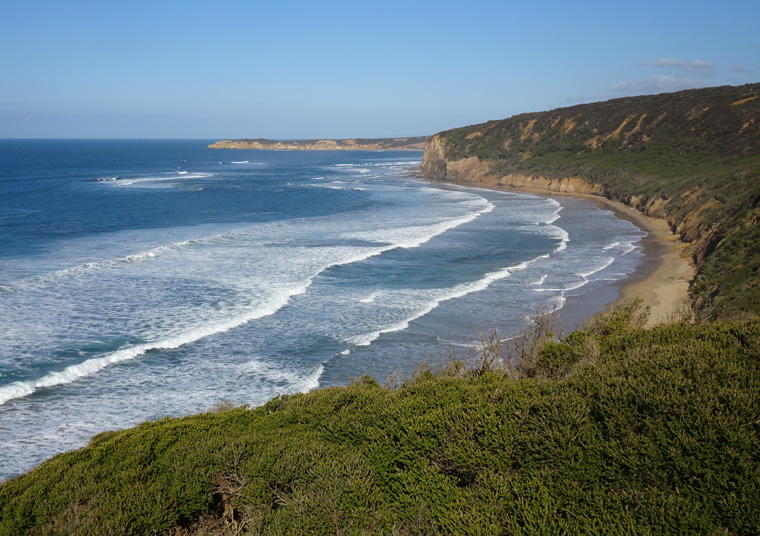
(648, 432)
(671, 128)
(555, 360)
(734, 271)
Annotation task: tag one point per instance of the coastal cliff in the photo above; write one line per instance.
(475, 172)
(691, 158)
(350, 144)
(613, 429)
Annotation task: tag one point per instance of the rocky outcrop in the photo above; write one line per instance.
(475, 172)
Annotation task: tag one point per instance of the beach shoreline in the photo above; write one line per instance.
(661, 281)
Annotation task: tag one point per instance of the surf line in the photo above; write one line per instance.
(20, 389)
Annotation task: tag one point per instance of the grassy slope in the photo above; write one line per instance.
(697, 150)
(639, 432)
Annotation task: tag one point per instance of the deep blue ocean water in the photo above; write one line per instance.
(140, 279)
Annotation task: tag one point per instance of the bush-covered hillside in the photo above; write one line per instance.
(616, 430)
(692, 157)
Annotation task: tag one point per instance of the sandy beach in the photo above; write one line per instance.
(661, 281)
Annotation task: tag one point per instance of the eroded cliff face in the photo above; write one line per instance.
(473, 171)
(701, 239)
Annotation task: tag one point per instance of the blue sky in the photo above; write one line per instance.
(331, 69)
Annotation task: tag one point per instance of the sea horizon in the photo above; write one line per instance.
(149, 278)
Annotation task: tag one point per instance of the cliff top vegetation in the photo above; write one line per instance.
(614, 430)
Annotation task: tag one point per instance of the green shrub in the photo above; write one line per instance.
(645, 432)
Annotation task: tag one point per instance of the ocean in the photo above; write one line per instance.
(148, 278)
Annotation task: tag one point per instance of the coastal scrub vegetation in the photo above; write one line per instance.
(613, 429)
(691, 157)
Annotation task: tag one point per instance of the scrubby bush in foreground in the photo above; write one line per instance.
(616, 430)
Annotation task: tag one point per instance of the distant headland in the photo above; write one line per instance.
(377, 144)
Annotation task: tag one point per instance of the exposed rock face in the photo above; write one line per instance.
(473, 171)
(380, 144)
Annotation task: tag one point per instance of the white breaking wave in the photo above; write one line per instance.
(138, 257)
(298, 381)
(581, 282)
(412, 237)
(540, 281)
(605, 264)
(327, 186)
(405, 237)
(184, 175)
(556, 215)
(351, 168)
(629, 247)
(455, 292)
(371, 298)
(96, 364)
(563, 236)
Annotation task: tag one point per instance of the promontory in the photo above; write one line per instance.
(351, 144)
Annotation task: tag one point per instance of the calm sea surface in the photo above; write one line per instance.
(140, 279)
